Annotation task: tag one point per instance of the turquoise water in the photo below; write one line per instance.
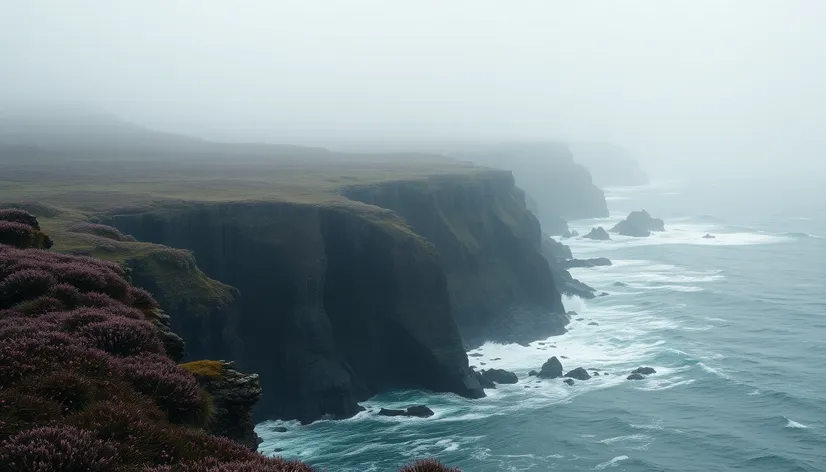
(735, 326)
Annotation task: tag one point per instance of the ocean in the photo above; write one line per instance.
(735, 327)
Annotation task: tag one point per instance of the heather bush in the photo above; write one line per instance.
(174, 389)
(21, 409)
(28, 353)
(99, 230)
(71, 390)
(72, 321)
(17, 215)
(56, 449)
(22, 236)
(122, 336)
(24, 285)
(142, 299)
(250, 465)
(428, 465)
(39, 306)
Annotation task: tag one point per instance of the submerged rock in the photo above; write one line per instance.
(419, 411)
(598, 234)
(532, 373)
(709, 236)
(635, 377)
(551, 369)
(593, 323)
(619, 284)
(500, 376)
(638, 224)
(278, 429)
(569, 381)
(579, 373)
(644, 371)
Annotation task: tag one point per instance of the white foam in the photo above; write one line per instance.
(657, 426)
(714, 371)
(612, 463)
(654, 384)
(630, 437)
(795, 424)
(755, 392)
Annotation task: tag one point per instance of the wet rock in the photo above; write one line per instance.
(593, 323)
(709, 236)
(598, 234)
(496, 359)
(474, 354)
(580, 319)
(483, 381)
(551, 369)
(233, 396)
(596, 374)
(279, 429)
(635, 377)
(563, 357)
(419, 411)
(532, 373)
(579, 373)
(500, 376)
(644, 371)
(620, 284)
(638, 224)
(569, 381)
(603, 294)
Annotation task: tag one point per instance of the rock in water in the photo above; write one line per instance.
(709, 236)
(620, 284)
(579, 373)
(551, 369)
(598, 234)
(419, 411)
(279, 429)
(638, 224)
(593, 323)
(500, 376)
(569, 381)
(594, 262)
(532, 373)
(483, 381)
(644, 371)
(635, 377)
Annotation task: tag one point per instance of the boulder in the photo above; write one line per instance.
(619, 284)
(475, 354)
(500, 376)
(709, 236)
(593, 323)
(579, 373)
(533, 373)
(638, 224)
(635, 377)
(598, 234)
(569, 381)
(551, 369)
(593, 262)
(279, 429)
(419, 411)
(596, 374)
(644, 371)
(483, 381)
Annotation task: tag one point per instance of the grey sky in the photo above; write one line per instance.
(711, 81)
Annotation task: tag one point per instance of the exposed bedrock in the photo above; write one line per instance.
(501, 287)
(337, 302)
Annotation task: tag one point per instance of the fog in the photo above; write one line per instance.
(687, 86)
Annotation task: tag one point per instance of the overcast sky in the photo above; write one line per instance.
(729, 83)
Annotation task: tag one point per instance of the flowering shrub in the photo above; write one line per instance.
(251, 465)
(23, 285)
(174, 389)
(16, 215)
(142, 299)
(428, 465)
(122, 336)
(62, 448)
(99, 230)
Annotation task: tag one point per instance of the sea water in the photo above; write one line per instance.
(735, 327)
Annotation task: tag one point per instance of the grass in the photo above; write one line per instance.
(205, 368)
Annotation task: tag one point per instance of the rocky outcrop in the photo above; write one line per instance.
(579, 373)
(554, 250)
(419, 411)
(339, 302)
(501, 287)
(644, 371)
(598, 234)
(709, 236)
(594, 262)
(570, 233)
(233, 396)
(635, 377)
(638, 224)
(500, 376)
(570, 286)
(551, 369)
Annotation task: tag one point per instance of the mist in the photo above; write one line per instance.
(733, 87)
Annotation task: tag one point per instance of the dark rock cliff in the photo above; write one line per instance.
(337, 301)
(501, 287)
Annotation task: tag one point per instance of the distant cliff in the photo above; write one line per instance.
(560, 187)
(610, 165)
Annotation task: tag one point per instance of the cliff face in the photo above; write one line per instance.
(501, 288)
(547, 172)
(337, 302)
